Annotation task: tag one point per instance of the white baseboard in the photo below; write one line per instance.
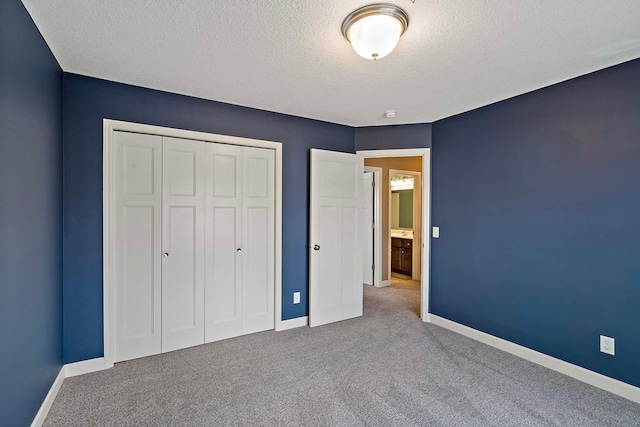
(579, 373)
(66, 371)
(83, 367)
(385, 283)
(293, 323)
(48, 400)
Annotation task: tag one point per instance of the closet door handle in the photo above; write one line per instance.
(166, 254)
(239, 250)
(316, 247)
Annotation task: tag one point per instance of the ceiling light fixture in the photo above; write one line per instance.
(374, 30)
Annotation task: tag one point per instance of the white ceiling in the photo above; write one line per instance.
(289, 56)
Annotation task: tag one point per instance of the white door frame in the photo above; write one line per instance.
(425, 153)
(377, 220)
(415, 225)
(111, 126)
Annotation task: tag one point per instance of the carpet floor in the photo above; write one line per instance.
(386, 368)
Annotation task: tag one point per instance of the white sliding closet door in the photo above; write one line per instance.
(258, 240)
(137, 211)
(223, 292)
(183, 240)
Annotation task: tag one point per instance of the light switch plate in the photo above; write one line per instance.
(607, 345)
(436, 232)
(296, 297)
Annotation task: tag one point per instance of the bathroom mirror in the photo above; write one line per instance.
(402, 202)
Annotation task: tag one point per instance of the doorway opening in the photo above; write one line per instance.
(399, 207)
(405, 221)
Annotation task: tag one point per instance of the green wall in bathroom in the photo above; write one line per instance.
(405, 219)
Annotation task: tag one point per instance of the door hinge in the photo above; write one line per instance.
(373, 225)
(373, 267)
(373, 184)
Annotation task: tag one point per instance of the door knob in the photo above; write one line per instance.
(166, 254)
(239, 250)
(316, 247)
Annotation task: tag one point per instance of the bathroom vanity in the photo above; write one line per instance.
(401, 254)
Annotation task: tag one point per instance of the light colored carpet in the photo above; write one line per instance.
(385, 368)
(405, 283)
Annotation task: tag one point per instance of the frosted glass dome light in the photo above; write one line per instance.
(374, 30)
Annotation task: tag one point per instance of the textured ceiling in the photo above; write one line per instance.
(290, 57)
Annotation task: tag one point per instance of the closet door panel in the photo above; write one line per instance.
(257, 257)
(180, 281)
(183, 243)
(223, 293)
(137, 244)
(258, 239)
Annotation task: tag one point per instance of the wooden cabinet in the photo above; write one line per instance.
(401, 255)
(396, 260)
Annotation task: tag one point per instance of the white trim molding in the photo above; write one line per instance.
(293, 323)
(48, 400)
(111, 126)
(574, 371)
(425, 232)
(66, 371)
(84, 367)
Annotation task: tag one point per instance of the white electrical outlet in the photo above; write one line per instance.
(296, 297)
(607, 345)
(436, 232)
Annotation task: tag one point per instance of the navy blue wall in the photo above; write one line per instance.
(393, 137)
(30, 216)
(538, 203)
(87, 102)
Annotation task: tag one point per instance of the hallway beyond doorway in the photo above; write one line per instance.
(407, 292)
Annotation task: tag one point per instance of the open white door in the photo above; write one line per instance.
(367, 227)
(335, 261)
